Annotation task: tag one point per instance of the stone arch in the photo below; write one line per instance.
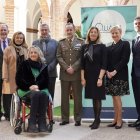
(44, 10)
(67, 7)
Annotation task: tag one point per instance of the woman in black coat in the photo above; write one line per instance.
(94, 62)
(117, 73)
(32, 82)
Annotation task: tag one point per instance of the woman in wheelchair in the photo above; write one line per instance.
(32, 83)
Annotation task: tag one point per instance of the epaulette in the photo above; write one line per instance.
(62, 39)
(80, 39)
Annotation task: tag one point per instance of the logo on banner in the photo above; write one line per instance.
(105, 20)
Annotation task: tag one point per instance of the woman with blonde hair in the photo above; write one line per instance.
(32, 83)
(117, 73)
(94, 62)
(14, 54)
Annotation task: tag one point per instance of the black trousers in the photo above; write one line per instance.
(39, 102)
(7, 104)
(136, 90)
(1, 97)
(51, 87)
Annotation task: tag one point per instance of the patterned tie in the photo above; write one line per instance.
(4, 44)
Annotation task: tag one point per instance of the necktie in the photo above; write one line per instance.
(137, 41)
(70, 42)
(4, 44)
(44, 48)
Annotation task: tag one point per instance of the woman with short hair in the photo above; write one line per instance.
(117, 73)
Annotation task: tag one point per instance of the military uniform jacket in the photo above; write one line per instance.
(69, 55)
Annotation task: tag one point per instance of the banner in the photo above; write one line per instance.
(104, 18)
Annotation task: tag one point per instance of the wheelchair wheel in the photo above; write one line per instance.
(18, 130)
(15, 110)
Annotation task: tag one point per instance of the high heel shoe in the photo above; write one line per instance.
(112, 125)
(96, 124)
(119, 126)
(91, 124)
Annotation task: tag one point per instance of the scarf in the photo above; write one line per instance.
(45, 39)
(35, 64)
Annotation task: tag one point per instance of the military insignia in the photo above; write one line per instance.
(77, 46)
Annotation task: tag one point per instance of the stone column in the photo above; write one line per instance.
(9, 17)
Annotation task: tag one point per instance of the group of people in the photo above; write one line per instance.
(101, 70)
(31, 71)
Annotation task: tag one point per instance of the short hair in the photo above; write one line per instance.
(44, 25)
(137, 18)
(40, 54)
(12, 43)
(3, 24)
(69, 23)
(116, 27)
(88, 37)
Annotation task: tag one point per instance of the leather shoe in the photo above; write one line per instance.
(77, 123)
(111, 125)
(96, 124)
(64, 123)
(118, 126)
(135, 124)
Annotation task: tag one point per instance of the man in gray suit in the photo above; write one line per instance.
(69, 58)
(49, 48)
(4, 42)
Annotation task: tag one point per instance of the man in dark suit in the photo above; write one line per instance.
(4, 42)
(69, 58)
(136, 71)
(49, 48)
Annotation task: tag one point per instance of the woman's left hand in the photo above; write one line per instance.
(113, 73)
(99, 82)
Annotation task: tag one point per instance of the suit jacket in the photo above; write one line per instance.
(50, 55)
(136, 58)
(69, 55)
(1, 57)
(118, 58)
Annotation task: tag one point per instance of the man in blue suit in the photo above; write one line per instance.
(4, 42)
(136, 71)
(48, 47)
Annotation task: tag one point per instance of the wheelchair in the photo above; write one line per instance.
(20, 112)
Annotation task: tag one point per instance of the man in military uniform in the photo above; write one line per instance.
(68, 56)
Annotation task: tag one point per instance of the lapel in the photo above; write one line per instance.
(0, 48)
(68, 43)
(116, 46)
(137, 44)
(13, 51)
(9, 40)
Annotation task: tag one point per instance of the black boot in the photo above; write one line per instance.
(97, 111)
(42, 125)
(32, 126)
